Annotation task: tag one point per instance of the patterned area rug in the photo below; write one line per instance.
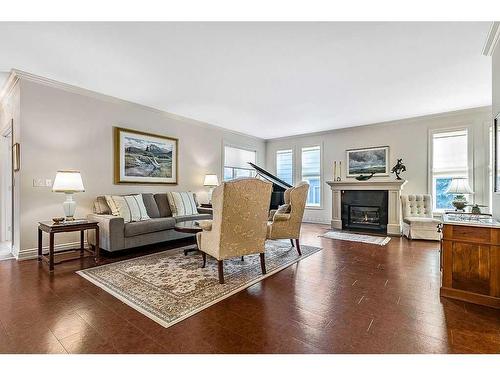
(169, 286)
(347, 236)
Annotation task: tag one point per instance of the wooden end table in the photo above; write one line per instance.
(52, 228)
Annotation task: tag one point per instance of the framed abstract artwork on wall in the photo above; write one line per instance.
(145, 158)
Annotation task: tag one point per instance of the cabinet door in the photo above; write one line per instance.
(471, 267)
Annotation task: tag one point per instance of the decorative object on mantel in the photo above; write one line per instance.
(348, 236)
(211, 181)
(68, 182)
(362, 177)
(58, 220)
(368, 160)
(144, 158)
(459, 186)
(398, 168)
(169, 287)
(337, 177)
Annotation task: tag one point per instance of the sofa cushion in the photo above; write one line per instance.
(101, 206)
(163, 206)
(417, 221)
(150, 204)
(149, 226)
(129, 207)
(178, 219)
(182, 203)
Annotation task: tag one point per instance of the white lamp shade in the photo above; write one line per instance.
(68, 182)
(211, 180)
(459, 185)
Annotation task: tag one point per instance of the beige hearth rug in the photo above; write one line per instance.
(348, 236)
(169, 286)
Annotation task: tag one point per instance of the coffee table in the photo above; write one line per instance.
(188, 227)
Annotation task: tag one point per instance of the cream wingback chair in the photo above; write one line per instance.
(287, 224)
(240, 209)
(418, 222)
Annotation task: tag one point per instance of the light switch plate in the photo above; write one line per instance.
(38, 182)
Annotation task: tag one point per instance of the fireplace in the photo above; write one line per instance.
(364, 210)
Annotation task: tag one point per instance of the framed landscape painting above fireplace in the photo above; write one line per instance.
(145, 158)
(365, 161)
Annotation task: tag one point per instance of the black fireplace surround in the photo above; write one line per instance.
(365, 210)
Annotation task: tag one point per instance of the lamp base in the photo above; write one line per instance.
(459, 202)
(210, 191)
(69, 206)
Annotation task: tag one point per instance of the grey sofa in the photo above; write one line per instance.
(115, 235)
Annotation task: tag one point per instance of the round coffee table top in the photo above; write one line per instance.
(188, 227)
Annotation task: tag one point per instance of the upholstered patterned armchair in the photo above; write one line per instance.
(287, 224)
(418, 222)
(240, 209)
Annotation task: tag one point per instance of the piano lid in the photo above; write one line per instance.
(268, 176)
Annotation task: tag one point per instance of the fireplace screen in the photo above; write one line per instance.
(364, 215)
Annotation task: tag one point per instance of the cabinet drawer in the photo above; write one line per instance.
(467, 234)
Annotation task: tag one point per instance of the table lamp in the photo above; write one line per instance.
(459, 186)
(68, 182)
(211, 181)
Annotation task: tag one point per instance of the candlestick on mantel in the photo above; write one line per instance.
(334, 170)
(340, 170)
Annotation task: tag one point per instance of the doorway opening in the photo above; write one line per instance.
(6, 192)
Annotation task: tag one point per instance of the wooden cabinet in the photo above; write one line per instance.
(470, 262)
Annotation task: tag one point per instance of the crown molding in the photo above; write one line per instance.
(97, 95)
(492, 39)
(9, 85)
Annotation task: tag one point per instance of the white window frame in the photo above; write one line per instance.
(292, 149)
(470, 160)
(299, 170)
(246, 148)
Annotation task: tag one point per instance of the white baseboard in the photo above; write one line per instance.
(316, 221)
(26, 254)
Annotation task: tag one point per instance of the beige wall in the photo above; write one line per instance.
(407, 139)
(68, 130)
(495, 112)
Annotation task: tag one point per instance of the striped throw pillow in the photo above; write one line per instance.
(130, 207)
(182, 203)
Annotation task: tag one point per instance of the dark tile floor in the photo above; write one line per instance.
(348, 298)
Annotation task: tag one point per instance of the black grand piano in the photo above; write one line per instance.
(279, 186)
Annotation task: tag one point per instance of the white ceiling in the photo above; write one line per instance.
(265, 79)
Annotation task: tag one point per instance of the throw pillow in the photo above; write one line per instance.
(129, 207)
(182, 203)
(284, 209)
(101, 207)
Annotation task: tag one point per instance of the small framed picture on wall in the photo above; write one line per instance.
(16, 157)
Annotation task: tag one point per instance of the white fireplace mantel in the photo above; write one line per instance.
(393, 187)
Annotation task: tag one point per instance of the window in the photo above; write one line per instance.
(236, 163)
(449, 159)
(311, 172)
(284, 165)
